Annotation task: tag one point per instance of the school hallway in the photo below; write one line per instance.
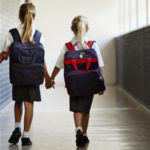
(117, 122)
(120, 119)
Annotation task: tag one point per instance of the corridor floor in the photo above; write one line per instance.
(117, 123)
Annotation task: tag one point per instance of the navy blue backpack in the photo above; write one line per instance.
(26, 61)
(81, 71)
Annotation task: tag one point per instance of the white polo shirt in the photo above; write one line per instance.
(60, 60)
(9, 39)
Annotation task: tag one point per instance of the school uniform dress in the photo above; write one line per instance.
(23, 93)
(80, 103)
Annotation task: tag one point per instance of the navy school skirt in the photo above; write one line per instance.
(81, 103)
(26, 93)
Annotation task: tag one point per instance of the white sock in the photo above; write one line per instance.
(84, 134)
(26, 134)
(79, 128)
(17, 125)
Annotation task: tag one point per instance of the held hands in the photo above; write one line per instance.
(49, 83)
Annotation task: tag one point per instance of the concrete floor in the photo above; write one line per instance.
(117, 123)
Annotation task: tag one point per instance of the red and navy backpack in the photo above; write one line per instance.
(81, 71)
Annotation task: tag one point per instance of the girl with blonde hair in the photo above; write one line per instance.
(21, 93)
(79, 105)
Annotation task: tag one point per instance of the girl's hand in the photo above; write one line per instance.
(2, 57)
(49, 83)
(52, 83)
(101, 93)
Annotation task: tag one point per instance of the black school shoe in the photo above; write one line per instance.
(86, 139)
(26, 141)
(79, 139)
(14, 139)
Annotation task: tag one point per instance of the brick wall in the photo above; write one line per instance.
(133, 64)
(8, 19)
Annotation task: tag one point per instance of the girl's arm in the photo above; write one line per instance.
(101, 72)
(59, 64)
(2, 56)
(54, 74)
(6, 47)
(47, 77)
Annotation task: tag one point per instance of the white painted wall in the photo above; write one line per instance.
(148, 11)
(54, 20)
(126, 15)
(141, 13)
(134, 14)
(22, 1)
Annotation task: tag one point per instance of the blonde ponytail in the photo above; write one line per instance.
(26, 15)
(27, 28)
(81, 30)
(80, 27)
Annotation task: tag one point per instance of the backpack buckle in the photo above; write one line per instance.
(81, 55)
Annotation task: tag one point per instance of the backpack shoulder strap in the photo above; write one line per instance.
(37, 36)
(70, 46)
(15, 34)
(90, 44)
